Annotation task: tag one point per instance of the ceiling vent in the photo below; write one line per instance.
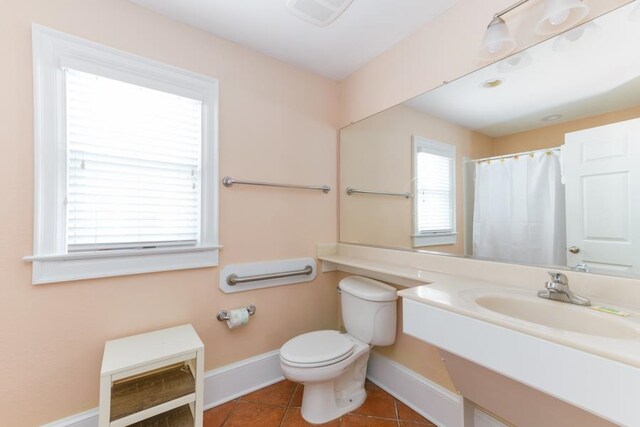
(318, 12)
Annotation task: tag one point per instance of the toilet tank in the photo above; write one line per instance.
(369, 310)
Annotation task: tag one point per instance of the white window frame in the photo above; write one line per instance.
(52, 52)
(441, 149)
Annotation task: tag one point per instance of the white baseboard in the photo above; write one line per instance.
(482, 419)
(432, 401)
(427, 398)
(231, 381)
(220, 385)
(85, 419)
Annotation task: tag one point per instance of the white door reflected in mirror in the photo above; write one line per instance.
(601, 171)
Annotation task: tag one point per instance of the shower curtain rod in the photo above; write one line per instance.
(508, 156)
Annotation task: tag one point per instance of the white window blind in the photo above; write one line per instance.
(133, 165)
(435, 192)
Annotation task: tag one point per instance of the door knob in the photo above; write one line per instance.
(574, 249)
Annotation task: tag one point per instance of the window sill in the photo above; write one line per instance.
(433, 239)
(78, 266)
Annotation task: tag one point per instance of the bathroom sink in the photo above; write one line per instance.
(572, 352)
(561, 315)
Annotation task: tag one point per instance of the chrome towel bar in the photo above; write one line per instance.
(351, 191)
(234, 279)
(228, 182)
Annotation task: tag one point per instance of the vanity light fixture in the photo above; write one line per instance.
(515, 62)
(585, 34)
(497, 40)
(558, 15)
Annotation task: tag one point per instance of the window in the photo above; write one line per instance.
(126, 163)
(434, 215)
(133, 170)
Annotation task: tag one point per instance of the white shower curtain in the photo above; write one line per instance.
(519, 210)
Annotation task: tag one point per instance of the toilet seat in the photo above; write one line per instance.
(319, 348)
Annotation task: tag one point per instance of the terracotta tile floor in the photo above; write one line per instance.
(279, 406)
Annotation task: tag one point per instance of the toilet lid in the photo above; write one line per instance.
(317, 347)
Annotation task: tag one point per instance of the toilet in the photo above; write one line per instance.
(331, 365)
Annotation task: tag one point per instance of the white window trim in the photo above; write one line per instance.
(53, 50)
(432, 238)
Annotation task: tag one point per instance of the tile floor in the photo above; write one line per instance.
(279, 406)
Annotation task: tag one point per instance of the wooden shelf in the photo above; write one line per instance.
(153, 379)
(143, 392)
(179, 417)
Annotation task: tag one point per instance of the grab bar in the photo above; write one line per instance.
(234, 279)
(228, 182)
(351, 191)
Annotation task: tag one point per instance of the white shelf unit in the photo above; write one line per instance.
(153, 376)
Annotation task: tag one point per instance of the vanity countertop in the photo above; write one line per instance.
(458, 295)
(418, 276)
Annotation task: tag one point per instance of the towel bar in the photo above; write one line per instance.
(351, 191)
(228, 182)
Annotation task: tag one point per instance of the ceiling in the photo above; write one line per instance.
(365, 30)
(594, 74)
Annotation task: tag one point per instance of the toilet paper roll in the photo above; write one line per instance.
(238, 317)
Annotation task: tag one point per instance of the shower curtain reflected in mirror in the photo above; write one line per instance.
(519, 209)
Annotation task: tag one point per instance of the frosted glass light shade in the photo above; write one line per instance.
(559, 15)
(497, 41)
(586, 34)
(515, 62)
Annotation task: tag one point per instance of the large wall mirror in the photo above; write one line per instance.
(531, 160)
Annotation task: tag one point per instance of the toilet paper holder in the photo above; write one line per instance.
(224, 314)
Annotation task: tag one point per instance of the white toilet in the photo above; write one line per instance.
(332, 365)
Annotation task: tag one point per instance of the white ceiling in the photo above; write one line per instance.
(365, 30)
(596, 74)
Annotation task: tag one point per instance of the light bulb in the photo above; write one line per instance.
(494, 47)
(559, 18)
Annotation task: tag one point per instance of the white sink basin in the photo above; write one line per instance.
(534, 341)
(559, 315)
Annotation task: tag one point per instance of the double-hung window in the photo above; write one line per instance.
(126, 163)
(434, 213)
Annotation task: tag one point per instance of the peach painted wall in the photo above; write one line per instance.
(277, 123)
(553, 136)
(378, 151)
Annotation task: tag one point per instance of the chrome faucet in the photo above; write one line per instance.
(558, 290)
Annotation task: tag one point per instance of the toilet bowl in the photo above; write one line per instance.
(332, 365)
(344, 357)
